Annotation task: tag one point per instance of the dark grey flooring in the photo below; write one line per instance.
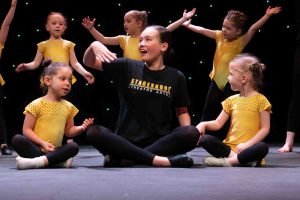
(88, 180)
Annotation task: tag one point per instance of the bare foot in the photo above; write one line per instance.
(286, 148)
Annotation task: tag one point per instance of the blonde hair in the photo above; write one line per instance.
(246, 62)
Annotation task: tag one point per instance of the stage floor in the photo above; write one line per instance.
(88, 180)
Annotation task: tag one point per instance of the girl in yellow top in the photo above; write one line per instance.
(135, 22)
(47, 119)
(249, 113)
(3, 35)
(230, 41)
(56, 48)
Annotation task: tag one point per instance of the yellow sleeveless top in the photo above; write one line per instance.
(130, 47)
(225, 52)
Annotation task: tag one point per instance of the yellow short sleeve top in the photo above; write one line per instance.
(130, 46)
(57, 51)
(245, 117)
(51, 118)
(225, 52)
(2, 82)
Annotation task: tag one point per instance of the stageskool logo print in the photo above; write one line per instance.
(150, 87)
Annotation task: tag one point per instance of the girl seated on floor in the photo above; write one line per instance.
(249, 113)
(46, 121)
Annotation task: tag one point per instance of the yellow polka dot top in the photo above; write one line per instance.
(130, 46)
(245, 117)
(57, 50)
(51, 118)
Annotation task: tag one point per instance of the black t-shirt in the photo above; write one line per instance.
(147, 99)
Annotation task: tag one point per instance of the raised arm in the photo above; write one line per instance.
(7, 21)
(257, 25)
(199, 29)
(96, 54)
(186, 16)
(89, 25)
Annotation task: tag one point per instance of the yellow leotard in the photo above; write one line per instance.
(225, 51)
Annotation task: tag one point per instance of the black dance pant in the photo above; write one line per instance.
(3, 131)
(220, 150)
(27, 149)
(178, 141)
(293, 122)
(213, 107)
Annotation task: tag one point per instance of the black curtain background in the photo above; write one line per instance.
(274, 45)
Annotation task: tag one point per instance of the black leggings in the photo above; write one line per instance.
(213, 107)
(178, 141)
(220, 150)
(3, 131)
(293, 123)
(27, 149)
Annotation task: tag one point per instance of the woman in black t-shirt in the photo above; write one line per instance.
(148, 92)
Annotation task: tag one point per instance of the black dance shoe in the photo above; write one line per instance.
(5, 150)
(181, 161)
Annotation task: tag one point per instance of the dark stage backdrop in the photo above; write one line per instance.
(274, 44)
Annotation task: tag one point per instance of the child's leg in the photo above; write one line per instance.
(3, 132)
(251, 154)
(214, 146)
(62, 154)
(25, 148)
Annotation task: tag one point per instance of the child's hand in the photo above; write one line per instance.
(87, 123)
(21, 67)
(187, 23)
(241, 147)
(48, 147)
(271, 11)
(88, 23)
(188, 15)
(201, 128)
(89, 77)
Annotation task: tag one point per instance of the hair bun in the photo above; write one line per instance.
(46, 62)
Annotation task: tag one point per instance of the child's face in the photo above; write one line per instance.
(60, 83)
(230, 31)
(235, 77)
(131, 25)
(56, 25)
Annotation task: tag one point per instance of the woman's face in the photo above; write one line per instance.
(150, 46)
